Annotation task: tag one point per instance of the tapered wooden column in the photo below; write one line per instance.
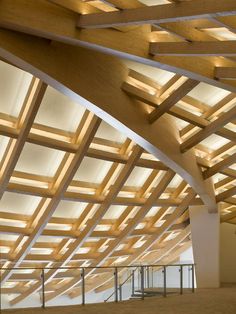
(205, 240)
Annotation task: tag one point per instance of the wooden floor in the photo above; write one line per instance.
(207, 301)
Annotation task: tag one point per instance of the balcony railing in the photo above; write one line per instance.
(115, 283)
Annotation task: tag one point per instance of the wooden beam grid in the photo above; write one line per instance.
(66, 242)
(88, 226)
(38, 258)
(183, 23)
(88, 256)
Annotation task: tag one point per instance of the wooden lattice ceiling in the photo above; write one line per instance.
(120, 218)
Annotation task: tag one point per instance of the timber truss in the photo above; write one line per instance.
(183, 146)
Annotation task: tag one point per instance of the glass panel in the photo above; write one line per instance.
(19, 290)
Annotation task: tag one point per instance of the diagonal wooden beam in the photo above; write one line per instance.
(127, 230)
(229, 216)
(16, 15)
(30, 108)
(168, 223)
(226, 194)
(220, 152)
(159, 14)
(52, 142)
(177, 112)
(158, 255)
(90, 226)
(212, 112)
(172, 100)
(210, 129)
(68, 170)
(219, 166)
(224, 182)
(52, 68)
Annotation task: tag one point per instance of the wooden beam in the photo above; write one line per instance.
(123, 4)
(145, 80)
(226, 194)
(53, 65)
(219, 166)
(159, 14)
(220, 152)
(175, 111)
(210, 129)
(125, 232)
(185, 49)
(60, 185)
(91, 225)
(229, 216)
(30, 108)
(211, 112)
(172, 100)
(224, 182)
(228, 73)
(94, 199)
(52, 142)
(168, 223)
(17, 14)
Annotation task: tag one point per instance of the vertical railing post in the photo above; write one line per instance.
(142, 281)
(139, 286)
(116, 284)
(152, 278)
(43, 288)
(193, 278)
(189, 269)
(120, 290)
(0, 291)
(83, 285)
(164, 281)
(148, 277)
(133, 273)
(181, 279)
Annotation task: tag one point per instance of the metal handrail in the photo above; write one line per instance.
(115, 268)
(92, 267)
(121, 285)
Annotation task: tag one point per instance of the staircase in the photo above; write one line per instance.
(152, 292)
(137, 295)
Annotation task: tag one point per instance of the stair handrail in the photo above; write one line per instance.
(121, 285)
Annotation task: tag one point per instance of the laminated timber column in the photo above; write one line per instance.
(205, 230)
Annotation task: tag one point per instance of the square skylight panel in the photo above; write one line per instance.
(14, 84)
(39, 160)
(59, 111)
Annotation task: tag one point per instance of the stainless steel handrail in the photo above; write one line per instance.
(140, 268)
(121, 285)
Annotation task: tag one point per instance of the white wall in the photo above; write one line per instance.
(205, 232)
(227, 253)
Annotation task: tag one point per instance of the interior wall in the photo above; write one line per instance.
(205, 233)
(227, 253)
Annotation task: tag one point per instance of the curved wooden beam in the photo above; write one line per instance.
(94, 80)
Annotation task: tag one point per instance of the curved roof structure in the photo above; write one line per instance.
(115, 117)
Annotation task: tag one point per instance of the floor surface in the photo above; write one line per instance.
(206, 301)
